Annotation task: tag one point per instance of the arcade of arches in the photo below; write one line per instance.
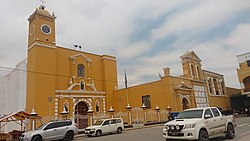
(246, 82)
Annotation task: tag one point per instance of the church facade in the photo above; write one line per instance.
(64, 79)
(61, 79)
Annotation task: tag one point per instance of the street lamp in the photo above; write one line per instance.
(49, 100)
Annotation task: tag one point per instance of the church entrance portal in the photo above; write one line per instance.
(81, 119)
(185, 104)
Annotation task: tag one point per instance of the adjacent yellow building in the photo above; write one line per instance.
(195, 88)
(244, 72)
(61, 79)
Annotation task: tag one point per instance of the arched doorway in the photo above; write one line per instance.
(81, 119)
(185, 104)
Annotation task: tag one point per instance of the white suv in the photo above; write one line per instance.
(105, 126)
(55, 130)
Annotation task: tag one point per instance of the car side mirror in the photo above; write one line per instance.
(207, 116)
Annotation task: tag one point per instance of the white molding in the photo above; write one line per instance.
(79, 91)
(40, 45)
(78, 84)
(79, 96)
(73, 57)
(108, 58)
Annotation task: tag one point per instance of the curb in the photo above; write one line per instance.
(127, 129)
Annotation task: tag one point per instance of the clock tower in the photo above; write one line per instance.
(41, 28)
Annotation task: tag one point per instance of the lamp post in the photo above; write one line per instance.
(169, 110)
(90, 116)
(111, 112)
(49, 100)
(128, 108)
(157, 109)
(144, 108)
(64, 114)
(33, 116)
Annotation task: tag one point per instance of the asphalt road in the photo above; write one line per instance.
(155, 134)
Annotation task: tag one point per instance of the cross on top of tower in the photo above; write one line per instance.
(42, 2)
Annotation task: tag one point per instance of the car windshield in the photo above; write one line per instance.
(190, 114)
(41, 126)
(99, 122)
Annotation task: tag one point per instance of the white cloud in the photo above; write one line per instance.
(105, 27)
(200, 18)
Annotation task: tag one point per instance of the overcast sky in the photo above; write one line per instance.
(145, 35)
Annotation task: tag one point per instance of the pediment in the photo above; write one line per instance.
(183, 87)
(190, 55)
(80, 55)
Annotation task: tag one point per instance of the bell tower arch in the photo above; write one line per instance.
(191, 65)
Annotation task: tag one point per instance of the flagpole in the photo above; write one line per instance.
(126, 86)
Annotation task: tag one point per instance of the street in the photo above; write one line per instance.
(155, 133)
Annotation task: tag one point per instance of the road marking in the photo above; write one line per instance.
(242, 125)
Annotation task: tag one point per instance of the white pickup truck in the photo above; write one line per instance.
(199, 124)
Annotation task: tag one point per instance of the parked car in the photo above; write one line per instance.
(54, 130)
(105, 126)
(199, 124)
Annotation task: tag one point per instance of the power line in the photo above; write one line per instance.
(58, 75)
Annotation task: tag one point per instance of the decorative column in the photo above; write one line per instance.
(128, 109)
(90, 117)
(64, 114)
(157, 109)
(169, 110)
(33, 116)
(111, 112)
(144, 108)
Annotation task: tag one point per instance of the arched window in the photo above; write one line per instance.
(193, 70)
(80, 70)
(246, 82)
(97, 107)
(82, 85)
(216, 87)
(223, 87)
(198, 72)
(210, 85)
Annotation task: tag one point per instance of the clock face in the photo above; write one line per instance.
(45, 29)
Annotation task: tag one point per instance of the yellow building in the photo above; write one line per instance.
(61, 79)
(244, 72)
(195, 88)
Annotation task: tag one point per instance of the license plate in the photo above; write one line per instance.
(174, 133)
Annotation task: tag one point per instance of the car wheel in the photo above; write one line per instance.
(203, 135)
(230, 131)
(119, 130)
(69, 136)
(37, 138)
(98, 133)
